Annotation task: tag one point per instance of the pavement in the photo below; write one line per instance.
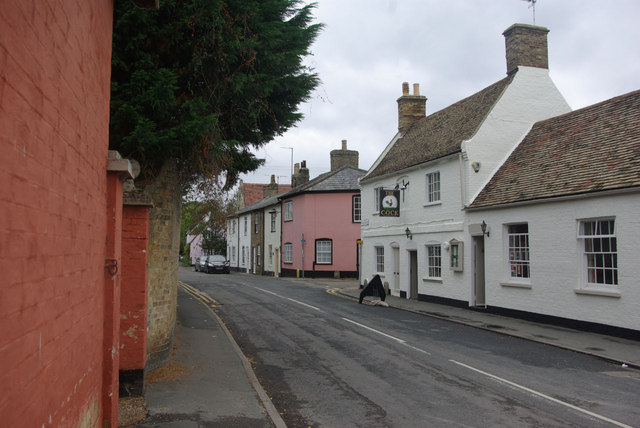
(211, 383)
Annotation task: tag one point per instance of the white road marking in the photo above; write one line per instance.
(374, 330)
(289, 298)
(304, 304)
(546, 397)
(417, 349)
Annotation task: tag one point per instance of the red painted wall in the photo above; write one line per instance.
(135, 272)
(54, 115)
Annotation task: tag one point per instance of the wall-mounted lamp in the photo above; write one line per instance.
(408, 233)
(272, 211)
(483, 226)
(475, 166)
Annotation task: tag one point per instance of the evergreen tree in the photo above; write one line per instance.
(204, 81)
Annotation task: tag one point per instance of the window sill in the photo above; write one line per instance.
(516, 285)
(430, 204)
(436, 280)
(597, 292)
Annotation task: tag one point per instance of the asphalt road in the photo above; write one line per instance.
(328, 362)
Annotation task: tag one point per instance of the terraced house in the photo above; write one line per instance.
(507, 201)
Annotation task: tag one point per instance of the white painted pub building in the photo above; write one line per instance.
(508, 201)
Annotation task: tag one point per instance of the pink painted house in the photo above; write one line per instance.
(321, 220)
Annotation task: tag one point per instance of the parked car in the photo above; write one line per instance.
(217, 263)
(201, 264)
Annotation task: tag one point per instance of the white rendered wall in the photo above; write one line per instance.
(532, 96)
(557, 272)
(429, 224)
(245, 240)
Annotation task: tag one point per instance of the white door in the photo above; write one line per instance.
(396, 268)
(478, 271)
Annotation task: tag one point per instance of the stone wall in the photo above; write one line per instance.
(164, 248)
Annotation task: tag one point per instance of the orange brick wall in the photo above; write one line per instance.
(54, 115)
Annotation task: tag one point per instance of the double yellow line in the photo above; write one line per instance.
(203, 297)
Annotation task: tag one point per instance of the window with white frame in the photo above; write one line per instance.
(432, 182)
(434, 261)
(245, 225)
(287, 253)
(256, 221)
(288, 211)
(357, 209)
(273, 221)
(518, 237)
(456, 250)
(259, 257)
(376, 199)
(324, 253)
(600, 251)
(270, 254)
(379, 259)
(233, 254)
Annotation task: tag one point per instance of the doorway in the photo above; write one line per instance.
(478, 271)
(413, 274)
(396, 268)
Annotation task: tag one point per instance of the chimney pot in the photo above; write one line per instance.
(526, 45)
(301, 174)
(344, 157)
(410, 107)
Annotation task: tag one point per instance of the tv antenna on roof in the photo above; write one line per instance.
(533, 6)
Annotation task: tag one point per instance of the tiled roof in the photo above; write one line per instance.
(440, 133)
(261, 204)
(253, 192)
(339, 180)
(593, 149)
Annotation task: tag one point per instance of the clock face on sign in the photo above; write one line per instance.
(390, 202)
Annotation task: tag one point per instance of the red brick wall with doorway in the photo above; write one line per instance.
(54, 114)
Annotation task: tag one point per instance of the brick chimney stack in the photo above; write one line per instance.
(300, 174)
(270, 189)
(526, 45)
(340, 158)
(410, 107)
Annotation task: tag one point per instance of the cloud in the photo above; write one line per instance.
(453, 49)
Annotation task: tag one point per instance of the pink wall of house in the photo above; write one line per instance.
(195, 248)
(322, 216)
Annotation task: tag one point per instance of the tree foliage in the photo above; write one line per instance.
(204, 81)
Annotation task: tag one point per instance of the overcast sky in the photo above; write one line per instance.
(453, 49)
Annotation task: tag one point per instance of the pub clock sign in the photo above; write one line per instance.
(389, 203)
